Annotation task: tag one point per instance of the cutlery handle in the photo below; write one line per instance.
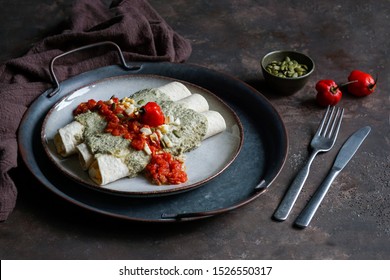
(310, 209)
(292, 194)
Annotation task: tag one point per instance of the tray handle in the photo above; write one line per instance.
(54, 77)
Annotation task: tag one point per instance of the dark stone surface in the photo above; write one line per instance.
(231, 36)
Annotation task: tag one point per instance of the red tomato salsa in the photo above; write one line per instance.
(119, 122)
(163, 168)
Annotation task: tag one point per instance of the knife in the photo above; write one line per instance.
(343, 157)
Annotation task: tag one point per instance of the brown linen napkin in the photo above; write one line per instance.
(133, 24)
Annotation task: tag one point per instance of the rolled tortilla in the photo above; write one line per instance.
(215, 123)
(175, 90)
(195, 102)
(106, 169)
(85, 156)
(68, 137)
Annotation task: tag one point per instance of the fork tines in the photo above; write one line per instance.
(333, 116)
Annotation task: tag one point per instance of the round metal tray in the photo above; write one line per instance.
(262, 156)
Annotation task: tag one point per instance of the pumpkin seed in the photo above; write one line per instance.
(289, 68)
(177, 133)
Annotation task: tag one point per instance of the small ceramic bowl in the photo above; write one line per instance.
(285, 85)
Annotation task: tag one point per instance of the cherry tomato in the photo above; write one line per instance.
(328, 93)
(152, 115)
(361, 83)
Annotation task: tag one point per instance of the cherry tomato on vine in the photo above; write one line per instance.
(361, 83)
(328, 93)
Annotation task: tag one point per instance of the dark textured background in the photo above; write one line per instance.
(231, 36)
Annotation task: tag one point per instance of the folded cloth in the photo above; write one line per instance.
(132, 24)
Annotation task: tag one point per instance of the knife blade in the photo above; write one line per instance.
(345, 154)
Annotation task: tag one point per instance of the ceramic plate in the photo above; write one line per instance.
(202, 164)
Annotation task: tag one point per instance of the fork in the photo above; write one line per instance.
(322, 141)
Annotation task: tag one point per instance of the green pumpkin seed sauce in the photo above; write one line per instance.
(185, 132)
